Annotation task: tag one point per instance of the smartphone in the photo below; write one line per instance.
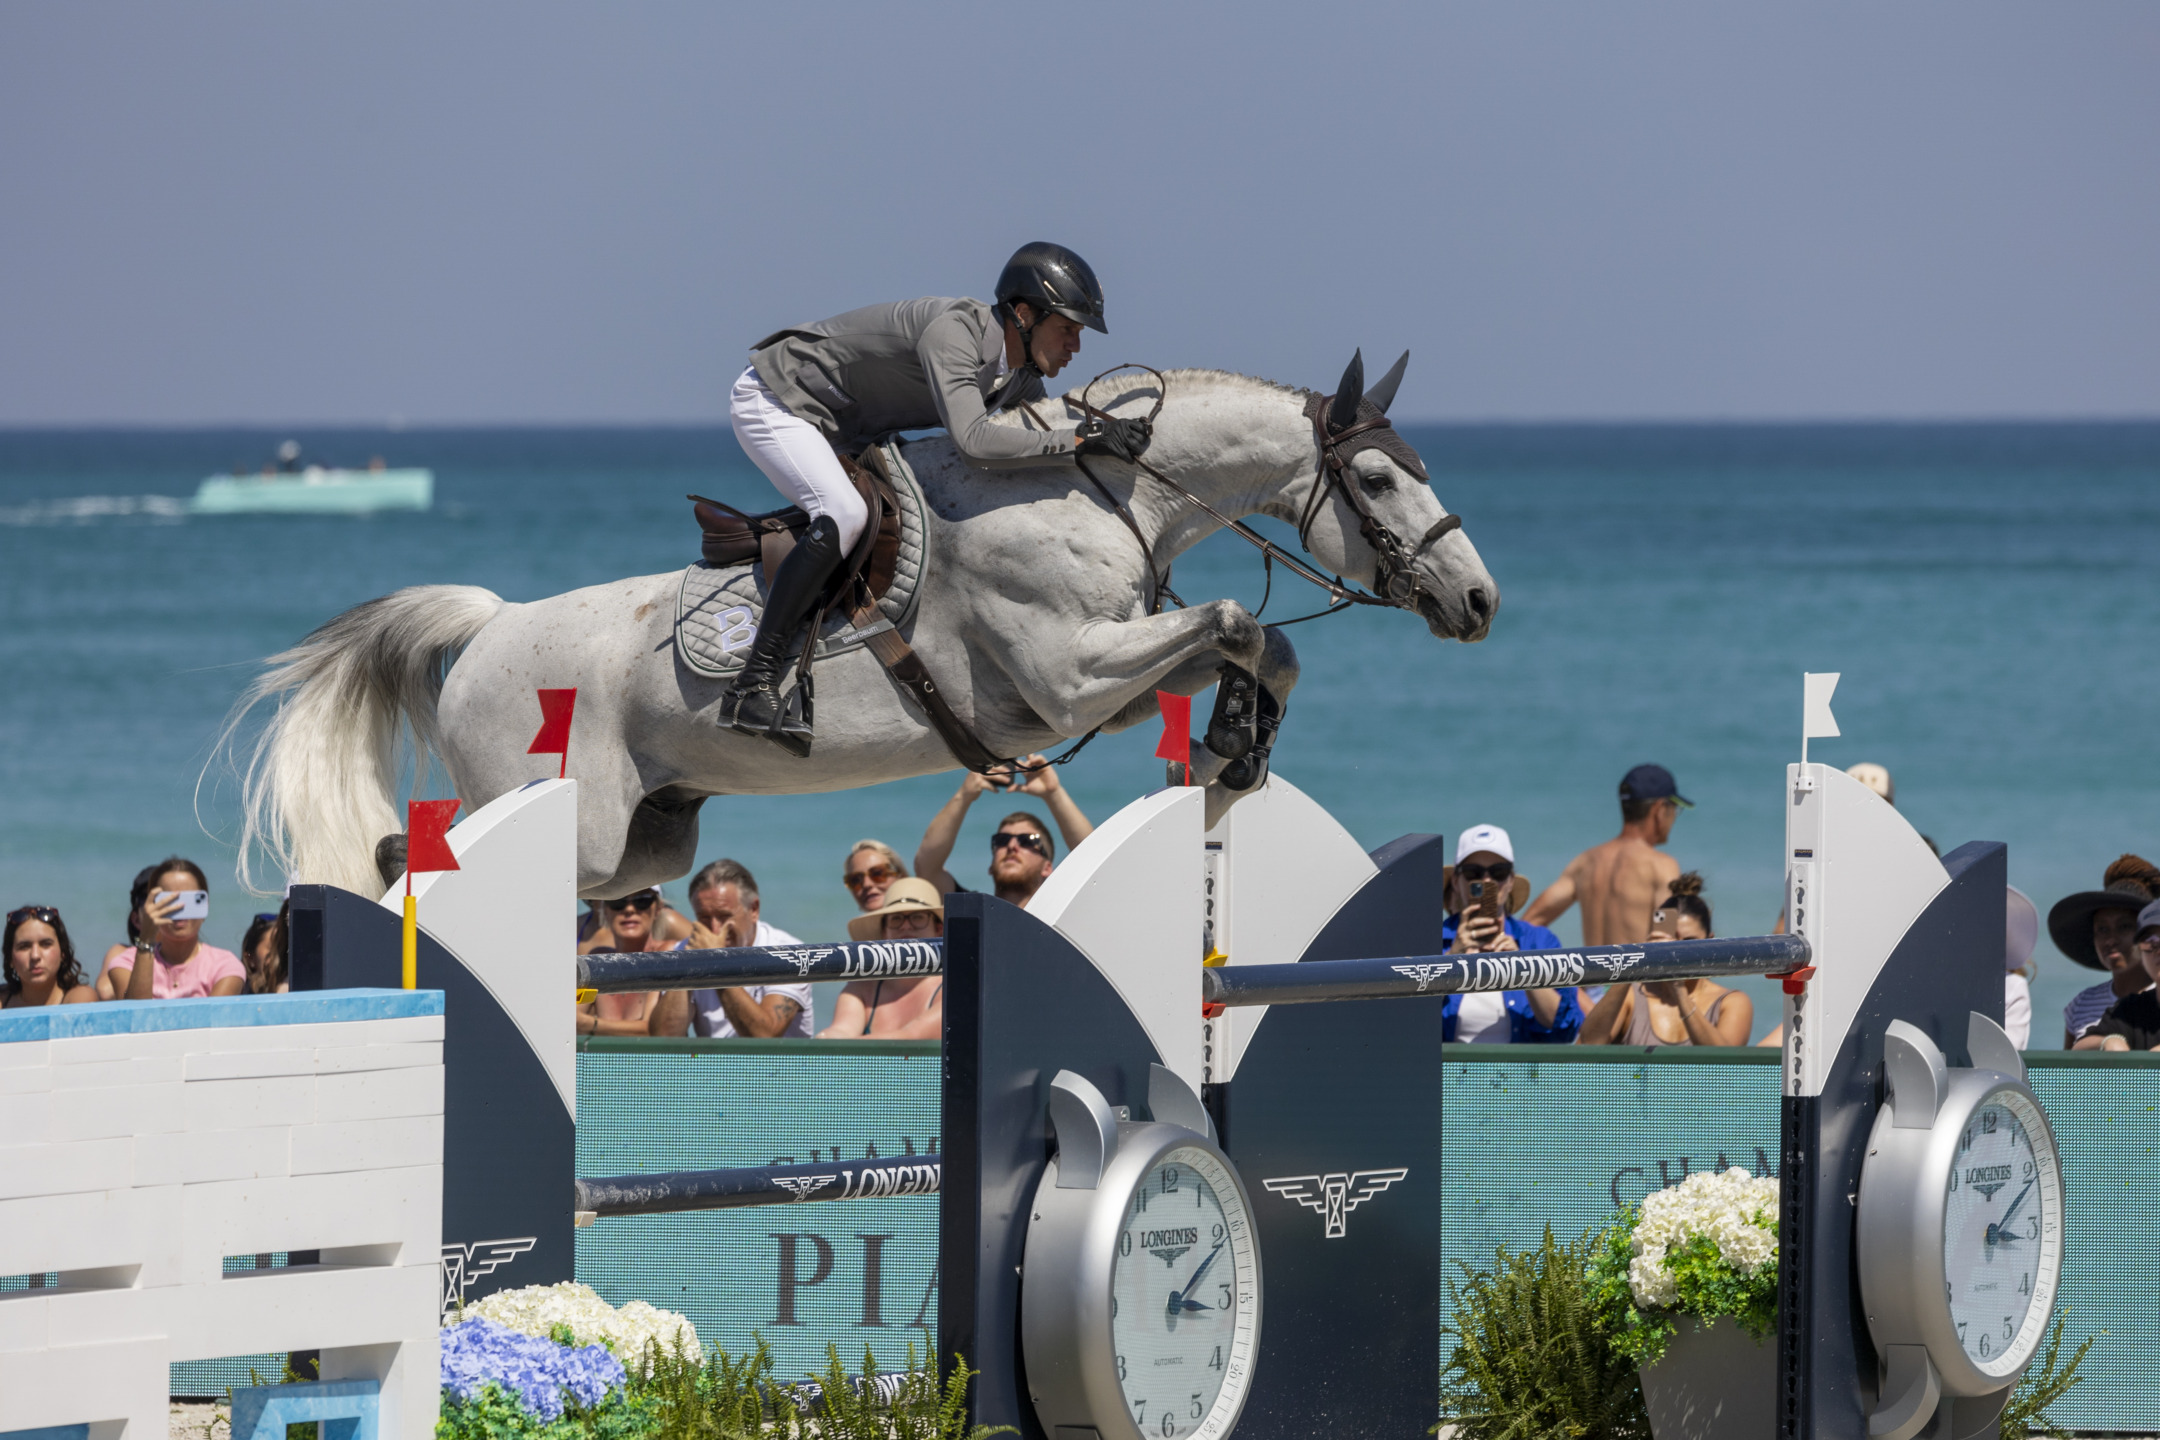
(1485, 897)
(194, 904)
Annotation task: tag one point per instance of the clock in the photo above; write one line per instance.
(1959, 1231)
(1140, 1284)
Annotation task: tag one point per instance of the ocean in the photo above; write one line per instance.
(1989, 593)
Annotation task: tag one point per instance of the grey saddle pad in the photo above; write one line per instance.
(717, 610)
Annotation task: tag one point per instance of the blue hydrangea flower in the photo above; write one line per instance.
(538, 1372)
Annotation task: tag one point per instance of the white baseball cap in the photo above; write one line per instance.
(1485, 837)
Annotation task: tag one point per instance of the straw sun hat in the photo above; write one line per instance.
(910, 893)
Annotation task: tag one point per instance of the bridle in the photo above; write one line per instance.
(1393, 576)
(1397, 583)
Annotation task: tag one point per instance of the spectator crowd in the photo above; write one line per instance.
(1627, 888)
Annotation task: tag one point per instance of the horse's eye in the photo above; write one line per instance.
(1378, 484)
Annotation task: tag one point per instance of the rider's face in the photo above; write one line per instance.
(1057, 339)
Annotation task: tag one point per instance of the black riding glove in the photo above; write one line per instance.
(1111, 435)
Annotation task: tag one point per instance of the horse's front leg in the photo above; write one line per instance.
(1106, 666)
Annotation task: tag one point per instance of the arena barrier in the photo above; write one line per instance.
(145, 1144)
(1099, 977)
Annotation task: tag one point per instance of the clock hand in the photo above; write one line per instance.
(1189, 1284)
(1998, 1231)
(1177, 1297)
(2004, 1223)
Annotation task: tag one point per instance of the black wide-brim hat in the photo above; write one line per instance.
(2070, 922)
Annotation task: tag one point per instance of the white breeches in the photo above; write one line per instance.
(795, 456)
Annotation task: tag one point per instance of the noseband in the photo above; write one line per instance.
(1393, 576)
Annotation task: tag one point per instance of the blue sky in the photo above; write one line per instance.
(552, 213)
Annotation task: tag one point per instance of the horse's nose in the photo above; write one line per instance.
(1480, 606)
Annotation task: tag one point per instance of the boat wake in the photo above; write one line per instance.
(89, 509)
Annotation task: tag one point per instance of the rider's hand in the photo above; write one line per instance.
(1112, 435)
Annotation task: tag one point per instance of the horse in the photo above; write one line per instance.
(1034, 617)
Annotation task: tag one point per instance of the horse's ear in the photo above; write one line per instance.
(1382, 395)
(1343, 412)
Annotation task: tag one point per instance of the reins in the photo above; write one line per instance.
(1393, 576)
(1394, 559)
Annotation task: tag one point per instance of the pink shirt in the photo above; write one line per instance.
(190, 981)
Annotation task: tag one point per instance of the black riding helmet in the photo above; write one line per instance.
(1051, 277)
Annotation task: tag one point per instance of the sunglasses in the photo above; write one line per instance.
(44, 914)
(861, 880)
(1501, 871)
(1026, 840)
(633, 902)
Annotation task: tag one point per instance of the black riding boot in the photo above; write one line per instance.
(753, 702)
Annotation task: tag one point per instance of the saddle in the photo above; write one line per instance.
(736, 537)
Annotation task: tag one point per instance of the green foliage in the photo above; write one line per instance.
(1709, 1287)
(731, 1398)
(1531, 1359)
(2042, 1385)
(914, 1409)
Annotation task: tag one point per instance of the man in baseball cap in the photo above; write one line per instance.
(1621, 881)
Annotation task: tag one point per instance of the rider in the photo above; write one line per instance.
(860, 378)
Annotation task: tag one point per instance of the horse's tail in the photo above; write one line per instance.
(355, 704)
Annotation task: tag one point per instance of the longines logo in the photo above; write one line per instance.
(1518, 972)
(1167, 1245)
(859, 1182)
(464, 1265)
(802, 1187)
(1987, 1179)
(1423, 974)
(1335, 1196)
(802, 960)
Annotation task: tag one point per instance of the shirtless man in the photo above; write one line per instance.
(909, 1008)
(1621, 881)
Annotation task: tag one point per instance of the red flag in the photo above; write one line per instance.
(556, 707)
(427, 836)
(1175, 744)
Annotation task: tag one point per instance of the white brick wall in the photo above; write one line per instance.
(134, 1162)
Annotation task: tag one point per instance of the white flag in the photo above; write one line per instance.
(1816, 720)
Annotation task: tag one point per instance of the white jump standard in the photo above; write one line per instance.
(1075, 1047)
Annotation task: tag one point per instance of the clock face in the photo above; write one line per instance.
(2001, 1233)
(1184, 1299)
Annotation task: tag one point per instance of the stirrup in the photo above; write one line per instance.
(791, 729)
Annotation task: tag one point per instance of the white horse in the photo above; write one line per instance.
(1032, 618)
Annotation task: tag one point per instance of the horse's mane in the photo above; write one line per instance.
(1137, 386)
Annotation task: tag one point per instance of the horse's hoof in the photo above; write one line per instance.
(1232, 729)
(1242, 774)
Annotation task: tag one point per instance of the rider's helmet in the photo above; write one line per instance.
(1051, 277)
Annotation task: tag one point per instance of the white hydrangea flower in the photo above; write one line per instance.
(538, 1309)
(1737, 1211)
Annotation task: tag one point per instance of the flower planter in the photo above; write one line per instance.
(1716, 1382)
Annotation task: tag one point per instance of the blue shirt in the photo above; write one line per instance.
(1523, 1025)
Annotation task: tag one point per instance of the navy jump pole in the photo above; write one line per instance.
(1409, 976)
(616, 971)
(679, 1190)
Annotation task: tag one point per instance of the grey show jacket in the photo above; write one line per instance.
(910, 365)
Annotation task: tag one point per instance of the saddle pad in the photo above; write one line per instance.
(717, 609)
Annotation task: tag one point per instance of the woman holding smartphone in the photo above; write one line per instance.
(169, 960)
